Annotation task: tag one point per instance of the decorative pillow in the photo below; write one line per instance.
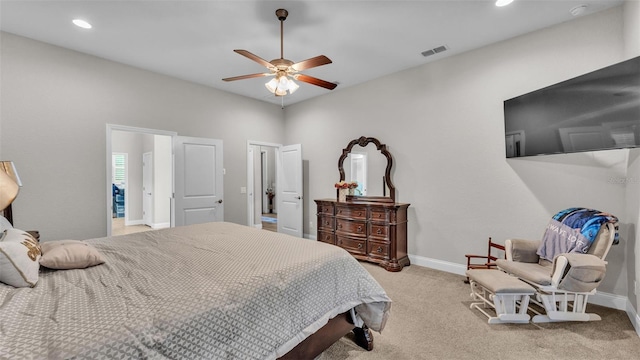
(5, 224)
(19, 258)
(69, 254)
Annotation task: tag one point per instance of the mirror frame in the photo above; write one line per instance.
(364, 141)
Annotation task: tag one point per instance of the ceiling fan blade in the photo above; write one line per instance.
(315, 81)
(249, 76)
(255, 58)
(311, 63)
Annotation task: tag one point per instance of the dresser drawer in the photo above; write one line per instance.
(325, 209)
(351, 227)
(379, 231)
(378, 250)
(354, 246)
(382, 215)
(352, 212)
(326, 236)
(326, 222)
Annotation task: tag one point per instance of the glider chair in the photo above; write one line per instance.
(566, 266)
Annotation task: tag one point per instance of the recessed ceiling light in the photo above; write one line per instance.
(503, 2)
(81, 23)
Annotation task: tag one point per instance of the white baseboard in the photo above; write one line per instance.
(633, 316)
(141, 222)
(438, 264)
(613, 301)
(133, 222)
(160, 226)
(309, 236)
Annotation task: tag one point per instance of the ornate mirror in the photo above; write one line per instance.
(368, 162)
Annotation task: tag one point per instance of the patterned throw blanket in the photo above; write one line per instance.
(573, 231)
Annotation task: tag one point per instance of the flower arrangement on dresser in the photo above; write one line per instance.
(345, 188)
(346, 184)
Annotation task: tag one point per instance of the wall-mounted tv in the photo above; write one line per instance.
(596, 111)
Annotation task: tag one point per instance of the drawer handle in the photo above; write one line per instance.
(359, 228)
(327, 223)
(340, 211)
(379, 231)
(339, 226)
(359, 213)
(379, 215)
(379, 249)
(359, 246)
(328, 237)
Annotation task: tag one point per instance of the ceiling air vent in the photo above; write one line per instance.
(434, 51)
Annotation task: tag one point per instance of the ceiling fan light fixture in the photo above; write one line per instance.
(283, 82)
(272, 85)
(281, 85)
(293, 87)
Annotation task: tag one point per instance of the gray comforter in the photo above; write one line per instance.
(207, 291)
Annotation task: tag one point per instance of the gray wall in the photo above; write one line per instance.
(55, 107)
(443, 124)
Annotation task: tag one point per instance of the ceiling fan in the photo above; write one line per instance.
(285, 70)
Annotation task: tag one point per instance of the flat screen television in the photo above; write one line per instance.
(596, 111)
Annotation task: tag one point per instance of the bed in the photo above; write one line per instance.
(205, 291)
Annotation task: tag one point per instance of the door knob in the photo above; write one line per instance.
(298, 197)
(220, 201)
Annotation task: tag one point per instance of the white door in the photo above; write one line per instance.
(584, 138)
(289, 191)
(147, 188)
(198, 181)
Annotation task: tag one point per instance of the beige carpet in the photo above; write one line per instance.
(430, 319)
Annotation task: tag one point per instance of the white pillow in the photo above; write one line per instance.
(19, 258)
(69, 254)
(5, 224)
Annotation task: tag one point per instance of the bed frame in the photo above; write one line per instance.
(333, 331)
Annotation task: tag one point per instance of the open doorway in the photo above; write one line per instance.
(286, 190)
(139, 179)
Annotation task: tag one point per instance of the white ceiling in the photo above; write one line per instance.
(194, 40)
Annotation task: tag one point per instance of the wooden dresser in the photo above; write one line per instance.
(370, 231)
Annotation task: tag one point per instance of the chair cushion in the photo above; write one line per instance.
(499, 282)
(524, 250)
(601, 243)
(532, 272)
